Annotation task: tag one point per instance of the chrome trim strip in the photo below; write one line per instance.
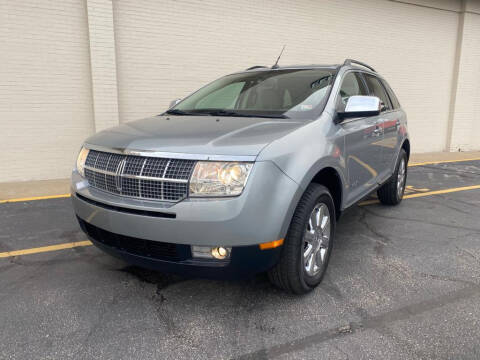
(139, 184)
(100, 171)
(173, 155)
(119, 171)
(141, 177)
(351, 120)
(104, 149)
(163, 175)
(367, 117)
(152, 200)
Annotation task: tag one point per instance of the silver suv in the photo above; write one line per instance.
(247, 174)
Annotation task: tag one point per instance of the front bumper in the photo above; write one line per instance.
(244, 261)
(261, 214)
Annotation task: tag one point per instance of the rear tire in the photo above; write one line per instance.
(308, 244)
(391, 193)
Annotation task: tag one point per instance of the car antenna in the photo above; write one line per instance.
(275, 66)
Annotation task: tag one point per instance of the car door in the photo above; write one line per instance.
(389, 122)
(394, 132)
(363, 156)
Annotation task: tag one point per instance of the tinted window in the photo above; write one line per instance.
(293, 93)
(391, 94)
(352, 85)
(223, 98)
(377, 89)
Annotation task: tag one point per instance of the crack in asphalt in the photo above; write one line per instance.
(159, 279)
(404, 344)
(445, 278)
(95, 326)
(370, 322)
(451, 207)
(383, 239)
(332, 289)
(161, 282)
(342, 352)
(39, 267)
(379, 248)
(465, 202)
(445, 169)
(397, 218)
(470, 255)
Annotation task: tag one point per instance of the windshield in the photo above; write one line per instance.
(293, 93)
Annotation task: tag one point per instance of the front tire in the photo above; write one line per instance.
(308, 244)
(391, 193)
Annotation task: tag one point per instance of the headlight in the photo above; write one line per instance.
(217, 179)
(82, 157)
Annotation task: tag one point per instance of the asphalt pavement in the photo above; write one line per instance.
(403, 283)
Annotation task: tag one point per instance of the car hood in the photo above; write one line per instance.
(196, 134)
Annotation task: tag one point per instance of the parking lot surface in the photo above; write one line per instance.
(403, 282)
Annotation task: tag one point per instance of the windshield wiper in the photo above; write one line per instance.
(180, 112)
(222, 113)
(234, 113)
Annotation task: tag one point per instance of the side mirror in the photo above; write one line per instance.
(361, 106)
(174, 102)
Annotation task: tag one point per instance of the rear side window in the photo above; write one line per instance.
(352, 85)
(391, 94)
(377, 89)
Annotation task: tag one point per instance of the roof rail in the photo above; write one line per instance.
(257, 67)
(351, 61)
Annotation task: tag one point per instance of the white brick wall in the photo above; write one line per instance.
(453, 5)
(103, 63)
(466, 116)
(45, 87)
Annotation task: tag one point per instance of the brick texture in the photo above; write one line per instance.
(103, 64)
(466, 116)
(45, 87)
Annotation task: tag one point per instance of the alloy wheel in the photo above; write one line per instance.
(316, 239)
(401, 178)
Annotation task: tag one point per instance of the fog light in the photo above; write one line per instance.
(208, 252)
(219, 252)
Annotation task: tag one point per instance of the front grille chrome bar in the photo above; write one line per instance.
(137, 176)
(133, 176)
(172, 155)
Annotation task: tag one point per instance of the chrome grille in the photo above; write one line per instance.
(137, 176)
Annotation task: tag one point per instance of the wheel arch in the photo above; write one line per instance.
(331, 179)
(326, 174)
(406, 146)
